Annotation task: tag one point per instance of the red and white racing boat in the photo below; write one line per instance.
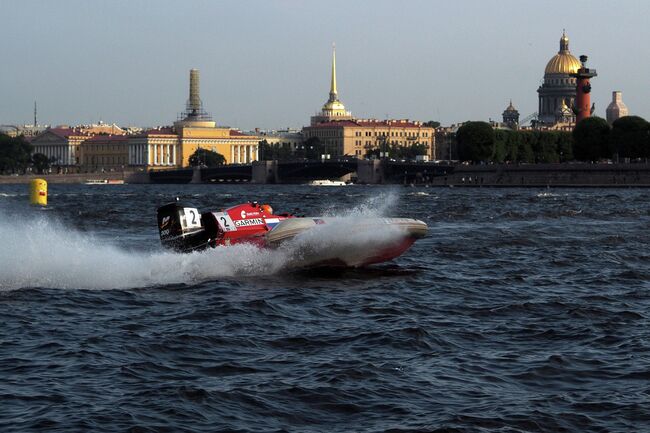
(313, 241)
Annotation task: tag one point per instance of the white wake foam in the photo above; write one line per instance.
(39, 251)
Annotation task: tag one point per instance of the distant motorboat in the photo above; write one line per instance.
(104, 182)
(326, 182)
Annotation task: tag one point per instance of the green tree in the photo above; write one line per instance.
(513, 139)
(565, 146)
(630, 137)
(15, 154)
(265, 151)
(590, 139)
(500, 152)
(314, 148)
(525, 148)
(432, 124)
(546, 147)
(206, 158)
(475, 141)
(41, 162)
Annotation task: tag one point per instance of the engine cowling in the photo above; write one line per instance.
(181, 227)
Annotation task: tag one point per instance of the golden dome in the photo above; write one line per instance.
(333, 105)
(563, 62)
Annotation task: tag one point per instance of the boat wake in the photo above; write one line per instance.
(40, 251)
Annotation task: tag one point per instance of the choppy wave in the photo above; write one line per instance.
(517, 314)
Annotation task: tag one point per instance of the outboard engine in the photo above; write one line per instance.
(181, 228)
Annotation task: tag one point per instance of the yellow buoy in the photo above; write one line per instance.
(38, 192)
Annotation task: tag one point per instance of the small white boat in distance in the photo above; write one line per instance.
(104, 182)
(326, 182)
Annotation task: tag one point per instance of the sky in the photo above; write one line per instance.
(266, 64)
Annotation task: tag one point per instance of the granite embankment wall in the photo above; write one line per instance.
(542, 175)
(128, 177)
(494, 175)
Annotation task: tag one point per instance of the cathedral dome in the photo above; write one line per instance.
(563, 62)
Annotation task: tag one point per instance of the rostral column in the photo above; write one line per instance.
(583, 107)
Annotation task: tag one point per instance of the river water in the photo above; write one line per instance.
(523, 310)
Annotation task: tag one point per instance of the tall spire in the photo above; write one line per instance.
(564, 42)
(333, 109)
(333, 92)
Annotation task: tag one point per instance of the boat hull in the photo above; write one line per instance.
(345, 242)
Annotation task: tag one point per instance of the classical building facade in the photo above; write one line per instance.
(165, 148)
(171, 147)
(356, 137)
(154, 149)
(616, 109)
(558, 83)
(104, 153)
(61, 146)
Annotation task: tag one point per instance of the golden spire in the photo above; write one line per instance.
(333, 92)
(333, 107)
(564, 42)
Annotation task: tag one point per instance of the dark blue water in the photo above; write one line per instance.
(522, 311)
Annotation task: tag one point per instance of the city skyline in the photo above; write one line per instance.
(267, 64)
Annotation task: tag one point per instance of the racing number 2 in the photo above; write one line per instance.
(225, 222)
(191, 218)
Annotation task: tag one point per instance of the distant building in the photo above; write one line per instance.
(511, 116)
(356, 137)
(446, 148)
(289, 139)
(104, 153)
(171, 147)
(61, 145)
(558, 84)
(154, 148)
(341, 134)
(102, 128)
(27, 131)
(102, 147)
(616, 109)
(165, 148)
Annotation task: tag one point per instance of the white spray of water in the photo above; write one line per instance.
(38, 251)
(352, 237)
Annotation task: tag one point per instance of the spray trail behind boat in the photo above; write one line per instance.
(42, 251)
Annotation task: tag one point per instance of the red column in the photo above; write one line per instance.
(582, 106)
(583, 98)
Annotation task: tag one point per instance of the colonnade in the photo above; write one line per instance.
(152, 154)
(61, 154)
(167, 154)
(244, 153)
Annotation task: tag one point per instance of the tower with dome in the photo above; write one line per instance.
(333, 109)
(559, 88)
